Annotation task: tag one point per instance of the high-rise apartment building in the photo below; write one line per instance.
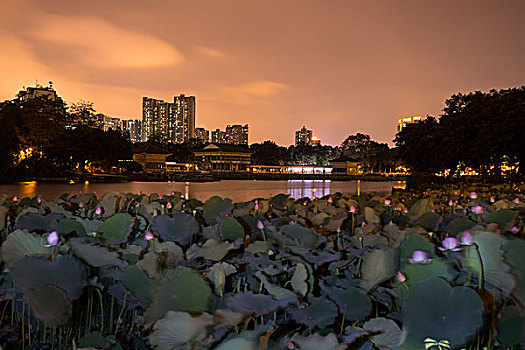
(170, 122)
(237, 134)
(403, 122)
(218, 136)
(132, 128)
(202, 135)
(108, 123)
(303, 137)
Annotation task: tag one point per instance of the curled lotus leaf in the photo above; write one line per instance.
(320, 312)
(352, 302)
(387, 334)
(94, 255)
(178, 330)
(501, 217)
(49, 303)
(378, 266)
(116, 228)
(180, 228)
(21, 243)
(216, 208)
(251, 303)
(110, 204)
(316, 341)
(64, 272)
(211, 250)
(299, 279)
(218, 273)
(277, 292)
(434, 309)
(231, 229)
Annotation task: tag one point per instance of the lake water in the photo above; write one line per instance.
(237, 190)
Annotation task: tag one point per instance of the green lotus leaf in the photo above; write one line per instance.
(116, 228)
(238, 343)
(501, 217)
(110, 205)
(378, 266)
(69, 225)
(352, 302)
(181, 228)
(420, 207)
(95, 256)
(302, 236)
(231, 229)
(218, 273)
(415, 242)
(136, 282)
(184, 289)
(436, 268)
(320, 313)
(318, 219)
(459, 224)
(179, 330)
(387, 334)
(511, 327)
(434, 309)
(64, 272)
(216, 208)
(492, 268)
(371, 216)
(332, 224)
(21, 243)
(429, 220)
(211, 250)
(94, 340)
(514, 249)
(89, 225)
(275, 291)
(316, 342)
(299, 278)
(251, 303)
(33, 222)
(49, 304)
(279, 200)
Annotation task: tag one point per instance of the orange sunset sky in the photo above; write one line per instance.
(338, 67)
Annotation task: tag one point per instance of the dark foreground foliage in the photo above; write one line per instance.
(440, 269)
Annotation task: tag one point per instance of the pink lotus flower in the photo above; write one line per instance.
(169, 205)
(256, 205)
(478, 209)
(387, 202)
(260, 225)
(473, 195)
(516, 200)
(330, 200)
(81, 205)
(149, 236)
(292, 222)
(363, 224)
(492, 200)
(400, 277)
(181, 196)
(160, 196)
(514, 229)
(98, 211)
(450, 243)
(419, 256)
(450, 203)
(466, 238)
(352, 209)
(15, 198)
(38, 199)
(405, 210)
(52, 239)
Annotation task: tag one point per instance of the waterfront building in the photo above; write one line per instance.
(237, 134)
(37, 91)
(346, 166)
(403, 122)
(202, 135)
(223, 158)
(303, 137)
(151, 158)
(166, 121)
(218, 136)
(133, 129)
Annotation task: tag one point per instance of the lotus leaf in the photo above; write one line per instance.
(501, 217)
(493, 269)
(95, 256)
(94, 340)
(64, 272)
(49, 303)
(275, 291)
(279, 200)
(34, 222)
(436, 268)
(352, 302)
(387, 334)
(179, 330)
(3, 214)
(302, 235)
(459, 224)
(415, 242)
(211, 250)
(136, 282)
(316, 257)
(434, 309)
(371, 216)
(511, 327)
(216, 208)
(90, 225)
(218, 273)
(430, 221)
(332, 224)
(181, 228)
(514, 249)
(318, 219)
(251, 303)
(116, 228)
(420, 207)
(21, 243)
(238, 344)
(68, 226)
(320, 313)
(316, 342)
(378, 266)
(299, 278)
(231, 229)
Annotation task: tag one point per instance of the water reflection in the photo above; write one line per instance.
(27, 189)
(308, 188)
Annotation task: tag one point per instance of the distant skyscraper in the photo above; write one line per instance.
(202, 134)
(303, 137)
(403, 122)
(170, 122)
(218, 136)
(108, 123)
(237, 134)
(133, 128)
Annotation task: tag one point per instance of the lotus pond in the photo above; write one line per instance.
(441, 269)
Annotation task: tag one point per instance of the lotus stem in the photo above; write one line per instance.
(132, 321)
(121, 312)
(111, 314)
(342, 324)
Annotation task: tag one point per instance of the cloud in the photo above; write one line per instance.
(258, 88)
(209, 52)
(102, 44)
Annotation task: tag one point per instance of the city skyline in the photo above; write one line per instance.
(340, 68)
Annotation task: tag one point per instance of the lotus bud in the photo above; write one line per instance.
(15, 198)
(256, 205)
(98, 211)
(260, 225)
(181, 196)
(330, 200)
(450, 203)
(81, 205)
(405, 210)
(516, 200)
(419, 256)
(492, 200)
(38, 199)
(292, 222)
(466, 238)
(270, 252)
(387, 202)
(449, 243)
(363, 224)
(400, 277)
(473, 195)
(52, 239)
(352, 209)
(169, 205)
(160, 196)
(149, 236)
(478, 209)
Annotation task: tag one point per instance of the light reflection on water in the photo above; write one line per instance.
(237, 190)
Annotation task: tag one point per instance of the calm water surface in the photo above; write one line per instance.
(237, 190)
